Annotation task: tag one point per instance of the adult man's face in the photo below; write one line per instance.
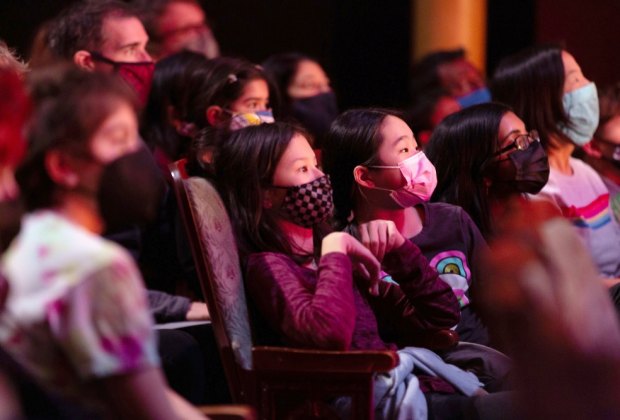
(123, 39)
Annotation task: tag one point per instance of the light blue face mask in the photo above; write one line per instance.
(478, 96)
(581, 106)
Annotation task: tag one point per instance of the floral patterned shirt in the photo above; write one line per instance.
(77, 308)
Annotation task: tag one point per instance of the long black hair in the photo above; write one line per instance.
(532, 83)
(353, 139)
(184, 85)
(175, 93)
(459, 148)
(244, 168)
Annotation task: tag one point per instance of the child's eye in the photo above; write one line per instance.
(303, 169)
(404, 150)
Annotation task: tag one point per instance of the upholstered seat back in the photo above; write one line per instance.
(220, 252)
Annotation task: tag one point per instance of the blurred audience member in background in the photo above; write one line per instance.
(305, 92)
(177, 25)
(451, 71)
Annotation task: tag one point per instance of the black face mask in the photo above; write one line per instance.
(524, 171)
(131, 191)
(317, 112)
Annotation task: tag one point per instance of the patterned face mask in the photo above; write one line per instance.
(308, 204)
(246, 119)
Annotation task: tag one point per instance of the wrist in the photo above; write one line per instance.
(333, 243)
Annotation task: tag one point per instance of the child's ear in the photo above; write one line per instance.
(60, 170)
(362, 176)
(215, 115)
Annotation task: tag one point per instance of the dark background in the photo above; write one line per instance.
(365, 44)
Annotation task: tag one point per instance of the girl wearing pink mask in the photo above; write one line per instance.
(327, 294)
(379, 173)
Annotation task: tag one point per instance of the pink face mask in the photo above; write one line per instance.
(421, 179)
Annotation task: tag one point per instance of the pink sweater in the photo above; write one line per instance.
(321, 309)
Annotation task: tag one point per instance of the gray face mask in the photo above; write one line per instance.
(581, 106)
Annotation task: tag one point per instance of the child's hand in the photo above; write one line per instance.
(380, 237)
(363, 260)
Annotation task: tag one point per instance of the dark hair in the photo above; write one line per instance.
(80, 26)
(177, 84)
(424, 74)
(151, 10)
(189, 83)
(229, 77)
(244, 167)
(70, 105)
(353, 139)
(459, 148)
(281, 68)
(422, 109)
(532, 83)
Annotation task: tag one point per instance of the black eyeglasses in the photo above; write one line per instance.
(521, 142)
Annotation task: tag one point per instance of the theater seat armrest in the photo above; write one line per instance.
(287, 359)
(438, 340)
(228, 412)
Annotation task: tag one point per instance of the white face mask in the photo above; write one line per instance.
(581, 106)
(421, 179)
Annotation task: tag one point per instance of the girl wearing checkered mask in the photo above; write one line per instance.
(327, 294)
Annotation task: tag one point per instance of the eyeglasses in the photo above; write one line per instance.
(521, 142)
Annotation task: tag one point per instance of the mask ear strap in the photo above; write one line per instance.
(100, 57)
(384, 166)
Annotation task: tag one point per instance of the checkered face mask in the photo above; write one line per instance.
(308, 204)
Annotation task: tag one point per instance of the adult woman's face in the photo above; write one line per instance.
(573, 76)
(309, 80)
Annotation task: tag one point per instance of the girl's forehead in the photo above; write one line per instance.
(298, 148)
(393, 128)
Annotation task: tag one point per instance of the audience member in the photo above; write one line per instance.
(329, 295)
(14, 111)
(304, 92)
(603, 152)
(547, 89)
(552, 317)
(484, 155)
(177, 25)
(178, 85)
(378, 172)
(104, 36)
(100, 350)
(427, 111)
(191, 94)
(449, 70)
